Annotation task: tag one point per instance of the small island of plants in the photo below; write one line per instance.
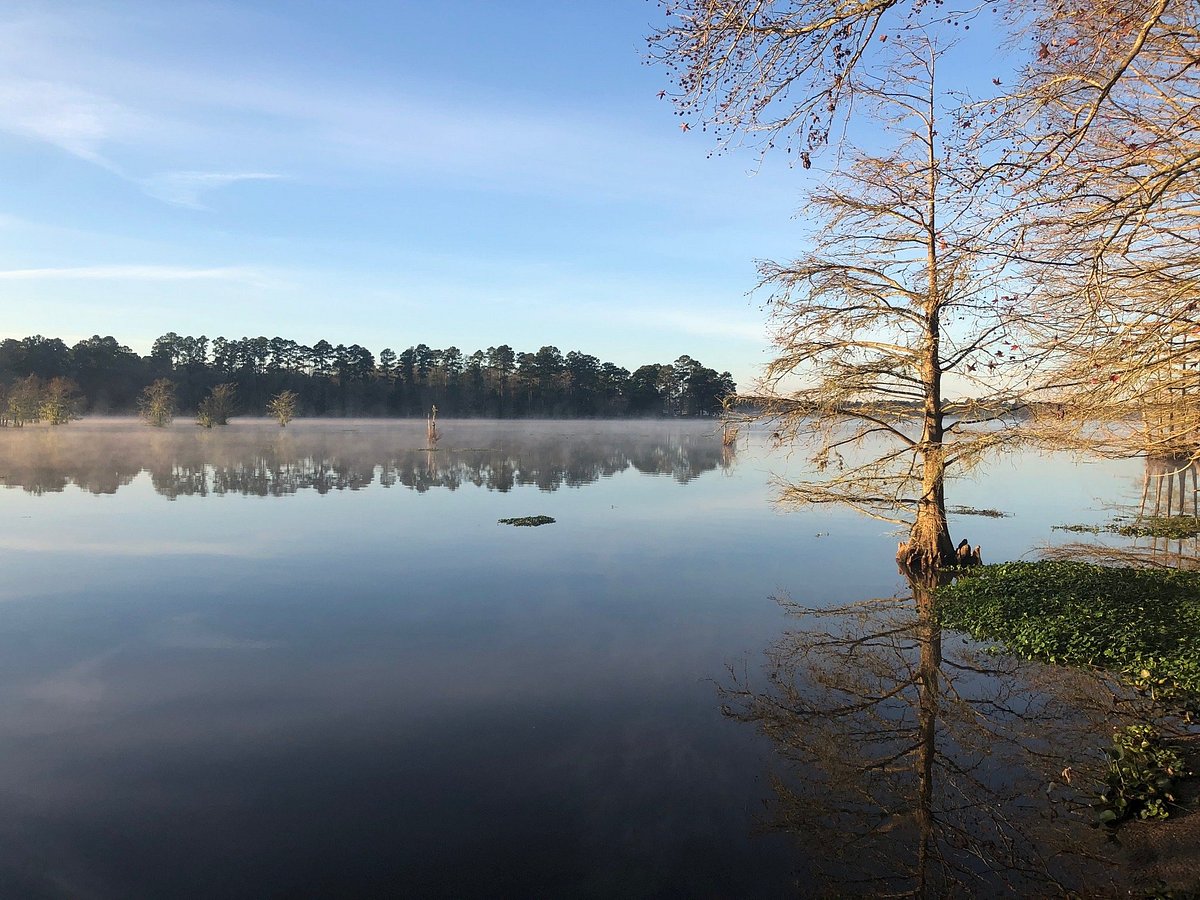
(528, 521)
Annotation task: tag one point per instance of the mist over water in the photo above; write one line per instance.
(308, 661)
(260, 458)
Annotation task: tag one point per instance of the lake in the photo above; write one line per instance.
(310, 662)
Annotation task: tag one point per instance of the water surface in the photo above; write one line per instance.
(265, 662)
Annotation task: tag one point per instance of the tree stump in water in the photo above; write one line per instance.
(432, 435)
(966, 556)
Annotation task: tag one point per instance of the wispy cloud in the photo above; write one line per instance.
(72, 119)
(117, 108)
(136, 273)
(186, 188)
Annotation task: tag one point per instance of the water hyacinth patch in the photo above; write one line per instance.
(1142, 772)
(1171, 527)
(528, 521)
(1141, 624)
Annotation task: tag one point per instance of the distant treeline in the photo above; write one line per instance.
(103, 376)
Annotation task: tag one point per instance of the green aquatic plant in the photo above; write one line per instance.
(1142, 772)
(530, 521)
(1141, 624)
(1163, 892)
(972, 511)
(1174, 527)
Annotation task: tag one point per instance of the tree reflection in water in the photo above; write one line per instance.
(1161, 476)
(913, 769)
(1170, 489)
(333, 456)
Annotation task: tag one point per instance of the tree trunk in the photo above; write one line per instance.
(929, 545)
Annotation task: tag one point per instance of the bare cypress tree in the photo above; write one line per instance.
(762, 71)
(1109, 165)
(894, 336)
(432, 435)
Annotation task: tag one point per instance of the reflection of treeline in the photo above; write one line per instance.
(180, 464)
(351, 381)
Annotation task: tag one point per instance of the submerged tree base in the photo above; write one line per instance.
(920, 564)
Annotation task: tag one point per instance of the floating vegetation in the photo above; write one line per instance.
(1142, 771)
(972, 511)
(1178, 527)
(528, 521)
(1173, 527)
(1080, 529)
(1141, 624)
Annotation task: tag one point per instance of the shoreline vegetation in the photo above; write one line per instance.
(42, 378)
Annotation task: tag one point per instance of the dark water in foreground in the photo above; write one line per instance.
(311, 663)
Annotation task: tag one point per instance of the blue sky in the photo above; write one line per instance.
(466, 172)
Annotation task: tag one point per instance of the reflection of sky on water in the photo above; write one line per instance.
(363, 688)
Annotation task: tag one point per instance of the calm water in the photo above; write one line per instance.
(254, 662)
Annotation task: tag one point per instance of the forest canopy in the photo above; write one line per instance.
(338, 380)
